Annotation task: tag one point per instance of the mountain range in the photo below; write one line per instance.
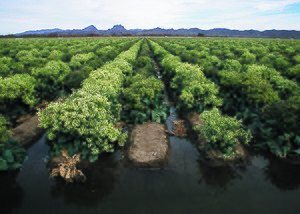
(121, 30)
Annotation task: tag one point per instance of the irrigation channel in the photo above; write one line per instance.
(186, 185)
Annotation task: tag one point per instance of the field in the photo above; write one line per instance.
(246, 91)
(231, 98)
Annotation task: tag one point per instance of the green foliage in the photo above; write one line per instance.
(248, 58)
(55, 55)
(86, 121)
(195, 90)
(266, 99)
(294, 72)
(19, 86)
(251, 85)
(142, 89)
(80, 59)
(222, 133)
(281, 64)
(89, 118)
(5, 133)
(142, 99)
(12, 155)
(50, 78)
(232, 65)
(53, 73)
(6, 64)
(142, 61)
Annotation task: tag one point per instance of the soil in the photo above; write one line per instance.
(148, 146)
(212, 157)
(28, 132)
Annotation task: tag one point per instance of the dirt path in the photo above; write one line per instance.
(149, 145)
(28, 132)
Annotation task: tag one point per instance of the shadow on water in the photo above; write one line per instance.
(101, 177)
(219, 177)
(282, 175)
(11, 193)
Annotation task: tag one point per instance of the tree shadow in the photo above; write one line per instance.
(101, 178)
(283, 175)
(218, 176)
(11, 193)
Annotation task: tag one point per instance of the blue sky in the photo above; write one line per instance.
(21, 15)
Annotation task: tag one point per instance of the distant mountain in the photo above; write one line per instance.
(121, 30)
(117, 30)
(43, 31)
(90, 28)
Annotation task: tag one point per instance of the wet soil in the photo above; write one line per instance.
(28, 132)
(148, 145)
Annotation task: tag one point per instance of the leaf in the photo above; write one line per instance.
(62, 139)
(7, 154)
(93, 158)
(3, 164)
(297, 151)
(297, 140)
(77, 142)
(15, 166)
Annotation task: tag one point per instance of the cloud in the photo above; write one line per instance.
(21, 15)
(275, 5)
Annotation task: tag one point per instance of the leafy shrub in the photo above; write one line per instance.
(248, 58)
(87, 120)
(282, 122)
(232, 65)
(54, 73)
(250, 85)
(281, 64)
(294, 72)
(55, 55)
(222, 133)
(17, 95)
(50, 78)
(142, 98)
(142, 61)
(6, 64)
(12, 154)
(5, 133)
(196, 92)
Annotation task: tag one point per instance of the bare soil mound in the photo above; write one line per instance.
(148, 145)
(28, 132)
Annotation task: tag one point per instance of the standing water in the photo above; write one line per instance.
(186, 185)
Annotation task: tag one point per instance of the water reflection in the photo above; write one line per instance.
(284, 176)
(218, 176)
(101, 178)
(11, 193)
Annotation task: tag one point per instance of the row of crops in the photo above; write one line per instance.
(50, 69)
(257, 80)
(90, 120)
(193, 92)
(246, 92)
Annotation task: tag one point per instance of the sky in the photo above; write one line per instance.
(21, 15)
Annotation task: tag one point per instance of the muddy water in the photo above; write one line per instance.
(186, 185)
